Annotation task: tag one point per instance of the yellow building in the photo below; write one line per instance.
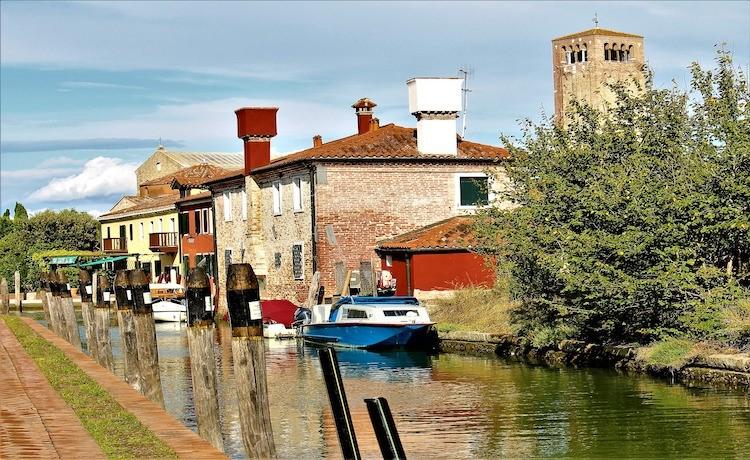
(146, 230)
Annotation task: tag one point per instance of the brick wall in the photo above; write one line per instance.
(367, 203)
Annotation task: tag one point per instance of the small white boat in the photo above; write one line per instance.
(278, 331)
(169, 311)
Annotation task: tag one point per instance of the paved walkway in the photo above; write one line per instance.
(34, 421)
(181, 439)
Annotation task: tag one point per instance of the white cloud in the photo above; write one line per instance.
(95, 213)
(35, 173)
(100, 176)
(95, 85)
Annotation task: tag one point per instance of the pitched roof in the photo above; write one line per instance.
(224, 160)
(454, 233)
(387, 142)
(144, 205)
(195, 198)
(597, 31)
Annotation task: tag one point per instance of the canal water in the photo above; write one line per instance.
(451, 406)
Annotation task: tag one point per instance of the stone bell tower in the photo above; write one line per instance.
(584, 63)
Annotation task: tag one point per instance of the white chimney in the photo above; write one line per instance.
(436, 102)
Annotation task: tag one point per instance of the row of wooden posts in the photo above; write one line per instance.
(5, 295)
(131, 294)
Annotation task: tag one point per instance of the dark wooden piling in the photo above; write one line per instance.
(200, 334)
(312, 291)
(100, 290)
(248, 352)
(68, 310)
(4, 297)
(42, 293)
(51, 293)
(145, 333)
(85, 289)
(124, 297)
(366, 279)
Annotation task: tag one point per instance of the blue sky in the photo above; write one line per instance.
(88, 89)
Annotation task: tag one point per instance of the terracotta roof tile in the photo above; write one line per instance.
(144, 204)
(454, 233)
(387, 142)
(196, 197)
(597, 31)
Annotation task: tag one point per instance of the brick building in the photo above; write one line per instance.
(585, 63)
(332, 203)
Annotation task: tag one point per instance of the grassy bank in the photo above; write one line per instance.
(118, 432)
(473, 309)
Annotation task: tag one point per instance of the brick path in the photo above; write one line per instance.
(34, 421)
(181, 439)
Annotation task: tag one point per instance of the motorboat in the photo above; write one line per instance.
(370, 322)
(169, 310)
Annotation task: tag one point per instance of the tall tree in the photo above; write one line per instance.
(20, 213)
(632, 224)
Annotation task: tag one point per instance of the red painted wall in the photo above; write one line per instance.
(201, 243)
(449, 270)
(437, 271)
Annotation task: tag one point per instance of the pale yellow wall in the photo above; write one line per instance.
(139, 243)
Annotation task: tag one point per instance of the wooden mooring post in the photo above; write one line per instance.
(85, 289)
(129, 343)
(17, 280)
(51, 293)
(72, 333)
(4, 297)
(200, 334)
(42, 294)
(100, 292)
(248, 353)
(145, 333)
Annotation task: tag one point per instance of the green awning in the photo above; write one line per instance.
(103, 261)
(64, 260)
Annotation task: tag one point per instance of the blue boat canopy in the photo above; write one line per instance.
(63, 260)
(393, 300)
(103, 261)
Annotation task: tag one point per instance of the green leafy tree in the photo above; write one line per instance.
(20, 212)
(631, 224)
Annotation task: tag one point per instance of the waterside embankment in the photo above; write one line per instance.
(728, 370)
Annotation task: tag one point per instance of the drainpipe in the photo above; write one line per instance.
(313, 245)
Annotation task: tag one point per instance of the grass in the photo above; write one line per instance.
(473, 309)
(116, 431)
(674, 353)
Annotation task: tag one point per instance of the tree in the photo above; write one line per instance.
(20, 212)
(632, 224)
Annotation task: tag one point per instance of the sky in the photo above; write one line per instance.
(88, 90)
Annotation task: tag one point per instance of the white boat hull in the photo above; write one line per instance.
(169, 312)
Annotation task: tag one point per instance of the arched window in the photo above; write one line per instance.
(579, 54)
(621, 54)
(584, 53)
(628, 53)
(567, 55)
(606, 51)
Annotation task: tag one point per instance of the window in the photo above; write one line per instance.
(297, 194)
(131, 232)
(198, 222)
(351, 313)
(184, 223)
(109, 234)
(207, 224)
(158, 166)
(227, 258)
(142, 233)
(400, 312)
(297, 265)
(276, 192)
(473, 190)
(389, 261)
(151, 227)
(243, 197)
(161, 225)
(171, 225)
(227, 207)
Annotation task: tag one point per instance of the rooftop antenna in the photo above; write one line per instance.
(596, 20)
(465, 97)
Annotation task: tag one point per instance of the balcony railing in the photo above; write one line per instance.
(115, 245)
(163, 242)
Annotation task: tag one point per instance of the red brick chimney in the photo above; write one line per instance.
(317, 140)
(256, 126)
(363, 109)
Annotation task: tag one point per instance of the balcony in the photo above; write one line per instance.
(115, 245)
(163, 242)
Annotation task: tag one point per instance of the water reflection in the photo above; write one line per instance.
(450, 406)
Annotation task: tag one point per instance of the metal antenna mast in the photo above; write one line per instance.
(465, 97)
